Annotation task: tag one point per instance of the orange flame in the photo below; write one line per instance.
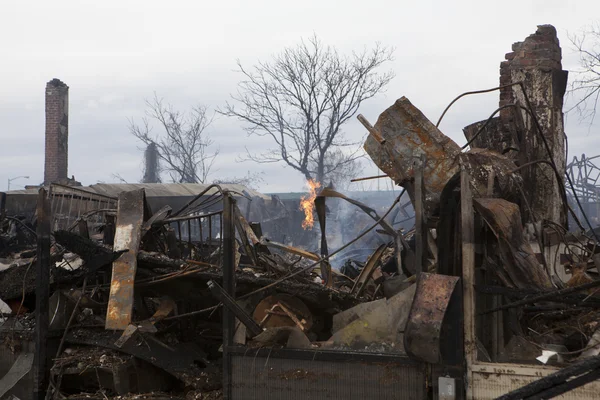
(307, 203)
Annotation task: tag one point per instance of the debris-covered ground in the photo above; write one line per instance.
(124, 301)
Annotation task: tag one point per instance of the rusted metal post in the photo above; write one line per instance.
(420, 222)
(130, 218)
(229, 287)
(42, 294)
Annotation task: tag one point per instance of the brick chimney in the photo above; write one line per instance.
(57, 132)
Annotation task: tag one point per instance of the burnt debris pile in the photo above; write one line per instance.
(478, 280)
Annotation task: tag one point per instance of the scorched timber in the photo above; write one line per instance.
(316, 295)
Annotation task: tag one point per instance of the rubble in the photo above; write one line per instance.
(118, 297)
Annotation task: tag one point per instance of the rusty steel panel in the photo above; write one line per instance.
(256, 378)
(130, 218)
(406, 132)
(423, 333)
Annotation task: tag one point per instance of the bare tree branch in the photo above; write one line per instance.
(301, 99)
(586, 85)
(182, 144)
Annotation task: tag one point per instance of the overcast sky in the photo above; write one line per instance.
(115, 54)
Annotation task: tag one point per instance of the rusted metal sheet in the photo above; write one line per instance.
(423, 333)
(405, 130)
(130, 218)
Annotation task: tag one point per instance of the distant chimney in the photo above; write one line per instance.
(57, 132)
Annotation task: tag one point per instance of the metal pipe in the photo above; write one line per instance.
(369, 178)
(374, 132)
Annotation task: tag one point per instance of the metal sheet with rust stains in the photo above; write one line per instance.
(407, 131)
(130, 218)
(422, 336)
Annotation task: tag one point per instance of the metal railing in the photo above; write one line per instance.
(69, 204)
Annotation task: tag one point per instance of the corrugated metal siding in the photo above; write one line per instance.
(167, 189)
(153, 189)
(257, 378)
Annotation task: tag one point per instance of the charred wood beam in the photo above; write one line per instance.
(220, 294)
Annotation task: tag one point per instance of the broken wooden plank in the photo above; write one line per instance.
(130, 218)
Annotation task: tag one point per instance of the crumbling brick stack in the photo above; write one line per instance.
(57, 132)
(538, 51)
(536, 62)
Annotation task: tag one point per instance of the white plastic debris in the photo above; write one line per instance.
(5, 308)
(547, 355)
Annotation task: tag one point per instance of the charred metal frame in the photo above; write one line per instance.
(585, 174)
(191, 228)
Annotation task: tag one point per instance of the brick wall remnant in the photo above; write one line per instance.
(57, 132)
(537, 63)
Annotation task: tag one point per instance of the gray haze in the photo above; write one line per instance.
(115, 54)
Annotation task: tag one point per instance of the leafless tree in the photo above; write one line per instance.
(183, 144)
(340, 169)
(301, 99)
(585, 88)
